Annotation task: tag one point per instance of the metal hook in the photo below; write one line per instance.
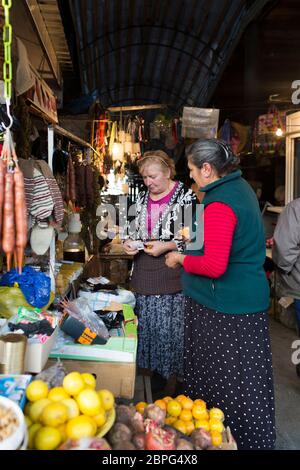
(7, 102)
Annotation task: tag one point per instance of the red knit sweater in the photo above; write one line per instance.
(219, 226)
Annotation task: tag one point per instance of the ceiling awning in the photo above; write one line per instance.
(149, 51)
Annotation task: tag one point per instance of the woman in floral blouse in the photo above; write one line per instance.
(160, 213)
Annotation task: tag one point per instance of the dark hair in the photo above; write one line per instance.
(214, 151)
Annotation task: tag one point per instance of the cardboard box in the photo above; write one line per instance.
(37, 354)
(119, 378)
(14, 387)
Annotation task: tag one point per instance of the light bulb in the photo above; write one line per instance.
(279, 132)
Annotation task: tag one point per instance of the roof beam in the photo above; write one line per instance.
(39, 23)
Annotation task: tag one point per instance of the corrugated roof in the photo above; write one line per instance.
(157, 51)
(53, 22)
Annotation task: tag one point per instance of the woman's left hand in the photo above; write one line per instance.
(155, 248)
(174, 260)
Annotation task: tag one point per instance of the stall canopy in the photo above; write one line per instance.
(139, 51)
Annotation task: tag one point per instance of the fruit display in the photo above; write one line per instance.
(169, 424)
(72, 411)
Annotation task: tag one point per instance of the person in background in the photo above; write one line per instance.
(286, 255)
(159, 298)
(228, 359)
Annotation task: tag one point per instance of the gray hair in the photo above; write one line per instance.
(216, 152)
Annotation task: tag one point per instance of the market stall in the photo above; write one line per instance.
(68, 318)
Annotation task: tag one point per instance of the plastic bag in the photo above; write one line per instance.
(54, 375)
(200, 123)
(36, 286)
(11, 298)
(101, 300)
(81, 310)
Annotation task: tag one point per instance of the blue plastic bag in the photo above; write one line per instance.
(35, 286)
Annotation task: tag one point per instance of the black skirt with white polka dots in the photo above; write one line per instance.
(228, 363)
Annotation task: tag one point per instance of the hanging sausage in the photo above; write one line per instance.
(13, 215)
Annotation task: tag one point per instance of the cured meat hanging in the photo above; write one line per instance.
(13, 215)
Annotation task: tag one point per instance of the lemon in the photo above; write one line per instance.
(73, 383)
(31, 434)
(54, 414)
(82, 426)
(107, 399)
(28, 421)
(89, 402)
(57, 394)
(100, 418)
(89, 380)
(37, 390)
(27, 408)
(47, 438)
(37, 408)
(72, 407)
(62, 429)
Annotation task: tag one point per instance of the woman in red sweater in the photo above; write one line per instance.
(228, 359)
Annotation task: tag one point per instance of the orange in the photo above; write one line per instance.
(174, 408)
(167, 399)
(170, 420)
(180, 426)
(216, 438)
(186, 415)
(202, 423)
(216, 413)
(216, 425)
(200, 402)
(140, 406)
(162, 404)
(199, 412)
(189, 427)
(180, 398)
(187, 403)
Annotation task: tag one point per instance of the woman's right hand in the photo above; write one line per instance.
(128, 249)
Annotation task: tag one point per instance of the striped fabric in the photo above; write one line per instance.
(219, 226)
(57, 200)
(42, 203)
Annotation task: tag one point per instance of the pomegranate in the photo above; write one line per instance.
(159, 439)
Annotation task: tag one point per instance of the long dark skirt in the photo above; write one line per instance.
(160, 333)
(228, 363)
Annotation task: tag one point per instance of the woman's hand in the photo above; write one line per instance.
(174, 260)
(128, 249)
(156, 248)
